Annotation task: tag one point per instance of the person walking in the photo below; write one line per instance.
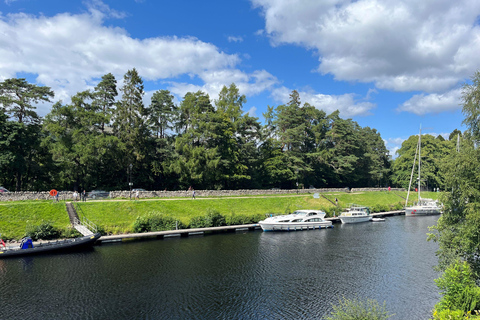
(84, 195)
(193, 193)
(137, 195)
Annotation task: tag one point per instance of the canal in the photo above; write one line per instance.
(242, 275)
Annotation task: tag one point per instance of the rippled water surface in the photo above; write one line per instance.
(243, 275)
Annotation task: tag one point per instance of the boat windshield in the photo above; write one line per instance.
(300, 213)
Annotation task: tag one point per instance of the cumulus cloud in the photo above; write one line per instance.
(393, 144)
(247, 84)
(400, 45)
(71, 52)
(421, 104)
(347, 104)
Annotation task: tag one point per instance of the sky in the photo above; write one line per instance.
(391, 65)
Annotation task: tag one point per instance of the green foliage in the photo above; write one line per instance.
(434, 154)
(457, 285)
(355, 309)
(448, 314)
(44, 231)
(69, 232)
(239, 219)
(471, 106)
(155, 221)
(214, 218)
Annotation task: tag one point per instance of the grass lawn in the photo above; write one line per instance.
(16, 217)
(118, 216)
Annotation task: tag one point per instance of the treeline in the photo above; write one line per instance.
(107, 138)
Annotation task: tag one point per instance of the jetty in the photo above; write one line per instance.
(179, 232)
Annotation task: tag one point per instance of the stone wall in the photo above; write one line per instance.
(68, 195)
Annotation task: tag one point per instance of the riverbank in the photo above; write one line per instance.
(118, 216)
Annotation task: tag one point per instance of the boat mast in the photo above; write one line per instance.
(411, 175)
(419, 159)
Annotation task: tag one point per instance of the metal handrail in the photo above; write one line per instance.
(85, 222)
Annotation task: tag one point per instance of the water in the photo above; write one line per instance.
(243, 275)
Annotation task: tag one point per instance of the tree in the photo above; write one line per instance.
(130, 125)
(458, 229)
(104, 98)
(434, 152)
(471, 106)
(161, 113)
(17, 97)
(342, 151)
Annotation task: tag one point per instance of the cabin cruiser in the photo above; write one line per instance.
(355, 214)
(298, 220)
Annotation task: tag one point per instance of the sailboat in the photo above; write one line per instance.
(424, 206)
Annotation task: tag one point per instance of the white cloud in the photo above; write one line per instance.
(401, 45)
(70, 52)
(252, 112)
(346, 103)
(247, 84)
(235, 39)
(421, 104)
(393, 144)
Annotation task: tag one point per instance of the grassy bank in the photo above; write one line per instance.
(17, 217)
(119, 216)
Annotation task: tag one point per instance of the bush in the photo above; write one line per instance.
(448, 314)
(234, 219)
(215, 219)
(70, 232)
(358, 310)
(44, 231)
(197, 222)
(457, 285)
(155, 222)
(379, 208)
(398, 206)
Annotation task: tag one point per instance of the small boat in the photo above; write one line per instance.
(27, 246)
(378, 219)
(298, 220)
(355, 214)
(424, 206)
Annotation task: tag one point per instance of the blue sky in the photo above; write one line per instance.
(392, 65)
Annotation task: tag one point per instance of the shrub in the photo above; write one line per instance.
(214, 218)
(155, 222)
(448, 314)
(359, 310)
(457, 285)
(70, 232)
(45, 231)
(235, 219)
(398, 206)
(197, 222)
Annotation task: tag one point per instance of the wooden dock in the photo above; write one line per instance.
(179, 233)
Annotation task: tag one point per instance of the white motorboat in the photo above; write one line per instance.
(356, 214)
(378, 219)
(298, 220)
(424, 206)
